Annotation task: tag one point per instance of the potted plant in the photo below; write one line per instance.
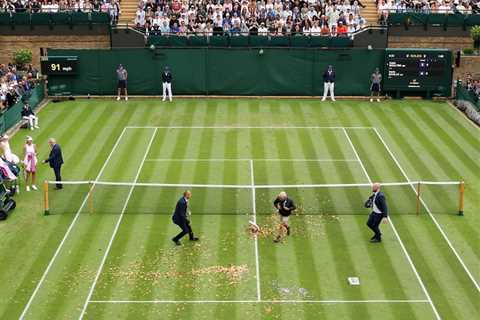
(475, 34)
(22, 57)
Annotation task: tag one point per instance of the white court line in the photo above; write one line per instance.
(254, 209)
(247, 159)
(252, 301)
(356, 155)
(105, 255)
(245, 127)
(60, 246)
(404, 249)
(470, 275)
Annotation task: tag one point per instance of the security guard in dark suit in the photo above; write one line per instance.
(378, 204)
(180, 218)
(55, 160)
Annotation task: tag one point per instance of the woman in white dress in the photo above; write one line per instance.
(7, 152)
(30, 162)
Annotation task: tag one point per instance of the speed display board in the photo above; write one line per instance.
(59, 65)
(418, 70)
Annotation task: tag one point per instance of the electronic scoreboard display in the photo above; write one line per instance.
(59, 65)
(427, 70)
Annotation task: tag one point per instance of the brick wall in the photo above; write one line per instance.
(35, 42)
(452, 43)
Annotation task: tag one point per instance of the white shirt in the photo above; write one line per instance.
(374, 206)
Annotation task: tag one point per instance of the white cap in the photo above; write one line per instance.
(29, 138)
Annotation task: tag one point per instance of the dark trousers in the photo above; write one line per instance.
(373, 223)
(58, 176)
(186, 229)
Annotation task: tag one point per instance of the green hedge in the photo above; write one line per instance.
(59, 18)
(12, 116)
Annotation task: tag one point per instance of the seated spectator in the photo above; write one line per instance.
(342, 30)
(28, 114)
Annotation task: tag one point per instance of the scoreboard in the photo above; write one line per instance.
(59, 65)
(428, 70)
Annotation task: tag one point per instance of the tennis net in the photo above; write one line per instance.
(100, 197)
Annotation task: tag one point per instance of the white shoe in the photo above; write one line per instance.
(37, 127)
(323, 99)
(118, 98)
(170, 100)
(378, 100)
(34, 187)
(163, 99)
(31, 128)
(371, 100)
(126, 98)
(28, 188)
(333, 99)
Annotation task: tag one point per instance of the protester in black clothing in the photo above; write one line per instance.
(285, 207)
(378, 204)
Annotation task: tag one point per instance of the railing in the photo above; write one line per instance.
(247, 40)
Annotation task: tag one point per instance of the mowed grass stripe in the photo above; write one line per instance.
(388, 258)
(452, 130)
(187, 259)
(286, 254)
(125, 249)
(442, 195)
(59, 225)
(442, 138)
(433, 271)
(100, 224)
(74, 248)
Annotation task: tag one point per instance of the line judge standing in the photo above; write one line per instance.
(55, 160)
(180, 218)
(122, 76)
(329, 83)
(378, 204)
(167, 84)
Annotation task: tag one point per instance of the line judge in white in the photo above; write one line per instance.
(167, 84)
(329, 83)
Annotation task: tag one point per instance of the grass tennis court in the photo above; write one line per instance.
(110, 256)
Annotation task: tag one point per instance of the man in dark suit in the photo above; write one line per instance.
(180, 218)
(55, 160)
(329, 83)
(379, 212)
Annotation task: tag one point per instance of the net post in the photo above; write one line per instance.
(45, 198)
(461, 189)
(418, 197)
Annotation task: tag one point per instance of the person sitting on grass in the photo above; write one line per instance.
(30, 163)
(285, 207)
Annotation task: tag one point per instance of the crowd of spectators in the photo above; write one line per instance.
(15, 87)
(427, 6)
(254, 17)
(53, 6)
(473, 86)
